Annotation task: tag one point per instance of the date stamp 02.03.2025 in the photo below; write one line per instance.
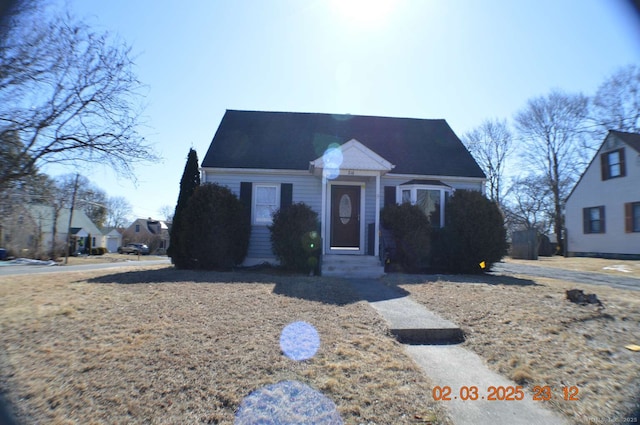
(503, 393)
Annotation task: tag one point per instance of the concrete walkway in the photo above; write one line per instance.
(449, 365)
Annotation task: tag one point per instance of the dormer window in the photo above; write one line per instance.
(612, 164)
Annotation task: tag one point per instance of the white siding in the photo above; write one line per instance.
(592, 191)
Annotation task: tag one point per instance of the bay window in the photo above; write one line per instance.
(431, 198)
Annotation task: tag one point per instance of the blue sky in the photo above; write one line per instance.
(463, 61)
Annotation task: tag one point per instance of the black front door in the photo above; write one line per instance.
(345, 217)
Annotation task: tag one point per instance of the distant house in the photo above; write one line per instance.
(111, 239)
(36, 230)
(603, 210)
(345, 167)
(154, 233)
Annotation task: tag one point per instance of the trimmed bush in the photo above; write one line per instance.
(216, 236)
(411, 231)
(474, 234)
(295, 239)
(98, 251)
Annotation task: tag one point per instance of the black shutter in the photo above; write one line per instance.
(622, 165)
(245, 197)
(586, 226)
(604, 166)
(286, 195)
(602, 220)
(389, 195)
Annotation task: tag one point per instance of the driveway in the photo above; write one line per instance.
(31, 269)
(618, 282)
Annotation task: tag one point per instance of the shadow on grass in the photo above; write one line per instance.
(326, 290)
(488, 279)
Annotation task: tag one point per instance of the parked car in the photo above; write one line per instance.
(134, 248)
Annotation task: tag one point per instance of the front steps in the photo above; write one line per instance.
(352, 266)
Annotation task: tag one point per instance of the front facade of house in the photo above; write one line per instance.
(603, 211)
(346, 168)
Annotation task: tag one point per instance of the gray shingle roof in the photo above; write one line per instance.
(632, 139)
(288, 140)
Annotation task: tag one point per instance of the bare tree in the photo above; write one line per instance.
(616, 104)
(490, 144)
(166, 212)
(119, 211)
(90, 199)
(67, 95)
(550, 129)
(529, 206)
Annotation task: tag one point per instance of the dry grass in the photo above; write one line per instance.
(627, 268)
(527, 331)
(160, 346)
(108, 258)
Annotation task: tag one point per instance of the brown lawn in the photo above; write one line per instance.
(158, 346)
(527, 331)
(626, 268)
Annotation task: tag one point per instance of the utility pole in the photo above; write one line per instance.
(73, 203)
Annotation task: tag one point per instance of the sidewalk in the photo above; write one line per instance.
(450, 365)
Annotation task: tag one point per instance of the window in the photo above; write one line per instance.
(612, 164)
(632, 217)
(431, 199)
(593, 219)
(266, 201)
(137, 228)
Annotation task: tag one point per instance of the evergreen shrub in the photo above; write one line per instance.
(215, 233)
(474, 234)
(295, 239)
(411, 231)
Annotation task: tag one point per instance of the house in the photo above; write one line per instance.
(37, 230)
(154, 233)
(602, 212)
(111, 239)
(345, 167)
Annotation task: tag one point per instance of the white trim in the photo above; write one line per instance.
(353, 158)
(323, 215)
(376, 242)
(327, 235)
(254, 200)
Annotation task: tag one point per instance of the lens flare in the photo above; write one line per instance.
(332, 160)
(287, 402)
(299, 341)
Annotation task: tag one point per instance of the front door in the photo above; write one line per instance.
(345, 217)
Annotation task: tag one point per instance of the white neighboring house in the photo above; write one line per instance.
(602, 212)
(31, 228)
(111, 239)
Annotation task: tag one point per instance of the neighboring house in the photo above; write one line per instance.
(154, 233)
(602, 212)
(111, 239)
(345, 167)
(30, 229)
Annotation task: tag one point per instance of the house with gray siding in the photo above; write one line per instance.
(345, 167)
(602, 212)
